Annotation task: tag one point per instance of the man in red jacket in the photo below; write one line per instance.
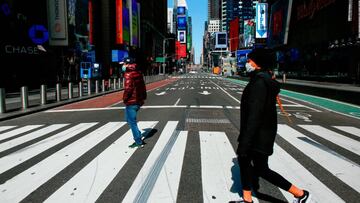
(133, 98)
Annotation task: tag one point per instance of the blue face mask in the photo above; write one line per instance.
(123, 68)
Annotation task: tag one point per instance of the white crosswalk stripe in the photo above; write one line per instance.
(159, 178)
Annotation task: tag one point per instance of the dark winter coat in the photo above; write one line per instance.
(258, 115)
(135, 89)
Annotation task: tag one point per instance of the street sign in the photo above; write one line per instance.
(261, 20)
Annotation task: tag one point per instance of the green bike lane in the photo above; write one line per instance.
(329, 104)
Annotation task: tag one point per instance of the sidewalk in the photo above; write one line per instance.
(34, 108)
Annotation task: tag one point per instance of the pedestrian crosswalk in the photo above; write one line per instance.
(197, 77)
(32, 156)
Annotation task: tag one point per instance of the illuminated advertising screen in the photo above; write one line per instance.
(126, 22)
(221, 38)
(181, 10)
(234, 34)
(180, 50)
(134, 23)
(249, 33)
(181, 23)
(91, 23)
(119, 21)
(118, 55)
(279, 23)
(182, 36)
(57, 20)
(261, 20)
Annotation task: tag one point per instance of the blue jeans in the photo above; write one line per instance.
(130, 116)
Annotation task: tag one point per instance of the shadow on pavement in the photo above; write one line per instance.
(149, 132)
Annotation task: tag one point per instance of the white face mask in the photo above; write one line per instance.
(249, 68)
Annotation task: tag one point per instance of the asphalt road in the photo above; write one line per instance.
(79, 153)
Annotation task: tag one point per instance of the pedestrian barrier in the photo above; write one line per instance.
(46, 96)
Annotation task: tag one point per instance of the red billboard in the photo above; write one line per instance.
(180, 50)
(234, 34)
(91, 25)
(119, 21)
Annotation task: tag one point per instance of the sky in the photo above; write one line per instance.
(197, 9)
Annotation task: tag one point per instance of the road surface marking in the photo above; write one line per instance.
(293, 171)
(349, 129)
(3, 128)
(336, 138)
(18, 131)
(144, 107)
(25, 138)
(177, 102)
(145, 180)
(93, 179)
(226, 92)
(282, 98)
(167, 185)
(339, 166)
(206, 120)
(220, 171)
(14, 190)
(22, 155)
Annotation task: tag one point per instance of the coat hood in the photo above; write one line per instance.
(273, 85)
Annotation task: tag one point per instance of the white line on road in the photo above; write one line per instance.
(25, 138)
(226, 92)
(220, 172)
(282, 98)
(177, 102)
(93, 179)
(339, 166)
(18, 131)
(167, 185)
(144, 107)
(3, 128)
(340, 140)
(14, 190)
(292, 170)
(139, 188)
(349, 129)
(21, 156)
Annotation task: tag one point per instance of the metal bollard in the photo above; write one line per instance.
(89, 87)
(80, 89)
(284, 78)
(70, 90)
(96, 86)
(114, 83)
(43, 94)
(109, 84)
(123, 82)
(24, 97)
(58, 92)
(119, 81)
(2, 100)
(103, 85)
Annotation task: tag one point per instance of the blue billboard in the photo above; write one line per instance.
(181, 10)
(241, 57)
(118, 55)
(181, 23)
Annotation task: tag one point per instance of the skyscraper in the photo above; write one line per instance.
(214, 9)
(229, 11)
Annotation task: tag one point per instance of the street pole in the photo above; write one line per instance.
(163, 64)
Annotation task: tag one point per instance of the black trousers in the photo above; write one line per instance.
(256, 165)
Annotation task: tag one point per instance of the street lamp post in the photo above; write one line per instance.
(164, 58)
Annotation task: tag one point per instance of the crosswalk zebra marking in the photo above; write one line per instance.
(339, 166)
(3, 128)
(19, 157)
(144, 182)
(349, 129)
(292, 170)
(93, 179)
(18, 131)
(14, 190)
(167, 185)
(36, 134)
(219, 168)
(336, 138)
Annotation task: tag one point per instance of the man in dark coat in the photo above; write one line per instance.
(259, 127)
(133, 97)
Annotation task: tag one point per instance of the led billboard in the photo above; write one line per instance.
(249, 33)
(181, 23)
(181, 10)
(234, 34)
(182, 36)
(221, 40)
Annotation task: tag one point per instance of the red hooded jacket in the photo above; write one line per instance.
(135, 89)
